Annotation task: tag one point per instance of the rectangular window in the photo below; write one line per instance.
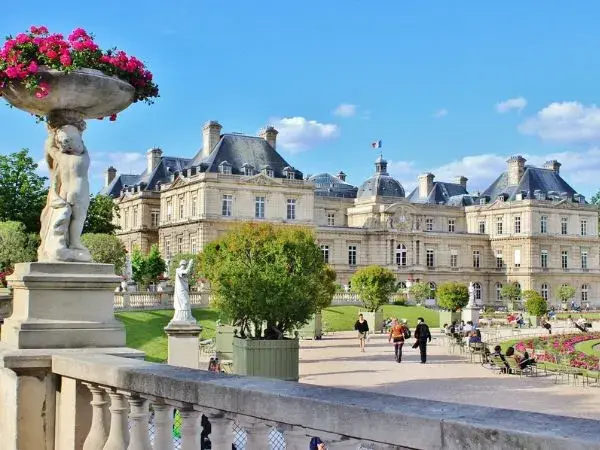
(291, 209)
(451, 225)
(517, 259)
(482, 227)
(401, 255)
(325, 252)
(499, 225)
(169, 210)
(429, 256)
(194, 205)
(563, 225)
(564, 257)
(584, 259)
(352, 255)
(193, 244)
(259, 207)
(476, 259)
(583, 227)
(453, 257)
(517, 225)
(182, 207)
(227, 205)
(544, 259)
(331, 219)
(544, 224)
(499, 259)
(135, 217)
(126, 219)
(180, 244)
(168, 248)
(428, 224)
(154, 218)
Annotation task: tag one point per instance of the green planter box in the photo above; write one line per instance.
(263, 358)
(224, 341)
(449, 317)
(374, 319)
(313, 329)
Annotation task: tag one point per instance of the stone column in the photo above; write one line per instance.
(184, 344)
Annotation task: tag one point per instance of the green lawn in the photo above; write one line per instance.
(588, 347)
(145, 329)
(575, 315)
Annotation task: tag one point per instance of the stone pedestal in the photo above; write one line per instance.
(63, 305)
(184, 344)
(471, 312)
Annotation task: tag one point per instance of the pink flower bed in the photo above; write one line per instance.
(563, 346)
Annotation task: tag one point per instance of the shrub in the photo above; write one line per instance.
(452, 296)
(374, 285)
(535, 304)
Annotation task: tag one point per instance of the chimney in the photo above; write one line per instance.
(553, 165)
(341, 176)
(516, 167)
(211, 134)
(425, 184)
(269, 134)
(462, 181)
(153, 158)
(109, 176)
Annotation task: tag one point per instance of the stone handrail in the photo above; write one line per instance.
(133, 301)
(121, 391)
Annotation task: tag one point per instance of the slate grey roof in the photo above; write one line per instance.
(328, 185)
(535, 182)
(443, 193)
(238, 150)
(147, 181)
(381, 184)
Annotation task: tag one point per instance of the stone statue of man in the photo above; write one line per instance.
(181, 294)
(471, 293)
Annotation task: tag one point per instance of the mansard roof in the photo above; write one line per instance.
(443, 193)
(328, 185)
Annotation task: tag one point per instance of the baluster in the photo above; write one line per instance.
(190, 429)
(163, 419)
(221, 431)
(139, 440)
(257, 434)
(118, 439)
(98, 434)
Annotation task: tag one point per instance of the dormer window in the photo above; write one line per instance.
(268, 171)
(225, 168)
(482, 201)
(248, 169)
(289, 173)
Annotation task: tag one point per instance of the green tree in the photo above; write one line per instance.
(148, 268)
(420, 291)
(374, 285)
(106, 248)
(22, 190)
(266, 273)
(535, 304)
(138, 266)
(452, 296)
(511, 292)
(327, 288)
(16, 245)
(566, 292)
(100, 215)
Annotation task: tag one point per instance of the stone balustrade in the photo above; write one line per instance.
(112, 411)
(133, 301)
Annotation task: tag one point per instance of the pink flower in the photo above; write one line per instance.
(33, 67)
(22, 38)
(51, 54)
(112, 117)
(65, 59)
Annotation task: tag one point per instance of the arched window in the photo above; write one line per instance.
(401, 285)
(401, 255)
(584, 292)
(498, 292)
(432, 289)
(518, 285)
(544, 291)
(477, 291)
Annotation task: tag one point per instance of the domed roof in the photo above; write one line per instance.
(328, 185)
(381, 184)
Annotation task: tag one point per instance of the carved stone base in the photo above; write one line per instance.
(184, 346)
(63, 305)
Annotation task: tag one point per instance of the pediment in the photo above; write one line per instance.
(401, 217)
(261, 179)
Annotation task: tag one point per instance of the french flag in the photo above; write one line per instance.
(376, 144)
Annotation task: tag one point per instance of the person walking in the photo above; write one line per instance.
(422, 336)
(398, 332)
(362, 327)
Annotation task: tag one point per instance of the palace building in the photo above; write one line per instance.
(528, 227)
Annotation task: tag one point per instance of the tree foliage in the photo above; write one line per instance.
(106, 248)
(420, 291)
(535, 304)
(147, 268)
(327, 288)
(263, 273)
(511, 292)
(374, 285)
(452, 296)
(22, 190)
(566, 292)
(16, 245)
(100, 215)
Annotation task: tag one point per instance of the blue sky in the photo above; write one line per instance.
(450, 87)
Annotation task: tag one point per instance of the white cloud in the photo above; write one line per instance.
(505, 106)
(124, 162)
(297, 134)
(345, 110)
(442, 112)
(565, 122)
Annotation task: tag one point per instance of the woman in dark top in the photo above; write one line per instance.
(362, 327)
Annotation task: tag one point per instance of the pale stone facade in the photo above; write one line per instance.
(528, 227)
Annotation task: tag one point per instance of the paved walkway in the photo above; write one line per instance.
(336, 361)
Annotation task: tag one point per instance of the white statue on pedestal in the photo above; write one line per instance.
(471, 294)
(128, 268)
(181, 294)
(69, 195)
